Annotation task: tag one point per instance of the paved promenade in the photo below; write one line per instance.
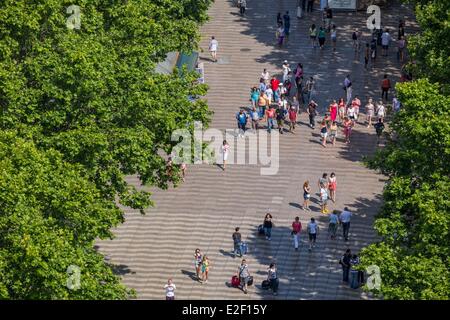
(204, 210)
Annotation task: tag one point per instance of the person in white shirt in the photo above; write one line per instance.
(170, 290)
(381, 111)
(286, 71)
(266, 76)
(313, 229)
(269, 94)
(344, 218)
(351, 112)
(213, 46)
(385, 39)
(224, 150)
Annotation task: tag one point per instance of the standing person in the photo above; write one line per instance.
(242, 6)
(254, 96)
(298, 75)
(205, 269)
(241, 118)
(287, 24)
(324, 199)
(345, 263)
(333, 132)
(385, 40)
(270, 115)
(280, 34)
(366, 55)
(198, 262)
(379, 127)
(401, 44)
(255, 118)
(273, 278)
(354, 273)
(266, 76)
(332, 184)
(324, 133)
(264, 100)
(313, 35)
(296, 229)
(280, 114)
(333, 224)
(295, 104)
(286, 71)
(356, 104)
(341, 110)
(306, 195)
(310, 6)
(355, 39)
(313, 229)
(344, 218)
(267, 225)
(401, 29)
(237, 242)
(312, 112)
(333, 110)
(370, 111)
(274, 84)
(183, 167)
(213, 46)
(321, 36)
(292, 118)
(269, 96)
(244, 275)
(351, 112)
(323, 182)
(348, 125)
(170, 288)
(381, 111)
(309, 87)
(385, 86)
(224, 150)
(348, 89)
(333, 37)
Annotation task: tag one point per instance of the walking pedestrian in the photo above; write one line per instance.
(310, 6)
(355, 40)
(324, 199)
(341, 110)
(356, 104)
(205, 269)
(385, 86)
(272, 277)
(312, 112)
(244, 275)
(198, 262)
(401, 44)
(170, 288)
(242, 119)
(323, 182)
(381, 111)
(279, 19)
(345, 263)
(213, 46)
(225, 150)
(379, 127)
(267, 225)
(313, 35)
(351, 112)
(254, 115)
(333, 133)
(329, 18)
(323, 133)
(266, 76)
(385, 40)
(280, 115)
(348, 89)
(309, 87)
(313, 229)
(333, 109)
(354, 273)
(401, 29)
(306, 195)
(237, 242)
(370, 112)
(287, 24)
(280, 34)
(270, 115)
(242, 6)
(286, 71)
(296, 229)
(366, 55)
(332, 186)
(274, 84)
(333, 224)
(344, 218)
(348, 125)
(321, 37)
(254, 96)
(264, 100)
(292, 118)
(373, 49)
(334, 37)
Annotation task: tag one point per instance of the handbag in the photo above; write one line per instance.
(250, 280)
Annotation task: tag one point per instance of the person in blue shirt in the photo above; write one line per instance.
(241, 118)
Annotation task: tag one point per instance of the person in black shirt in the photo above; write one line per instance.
(345, 263)
(312, 112)
(379, 127)
(237, 242)
(329, 18)
(268, 226)
(280, 119)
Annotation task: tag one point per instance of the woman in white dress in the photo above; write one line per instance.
(224, 150)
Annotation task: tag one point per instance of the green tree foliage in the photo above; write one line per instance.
(92, 94)
(414, 223)
(50, 214)
(80, 110)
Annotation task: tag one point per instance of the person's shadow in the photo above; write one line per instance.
(190, 274)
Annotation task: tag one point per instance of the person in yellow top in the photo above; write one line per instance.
(205, 269)
(313, 35)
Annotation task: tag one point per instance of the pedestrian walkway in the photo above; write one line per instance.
(204, 210)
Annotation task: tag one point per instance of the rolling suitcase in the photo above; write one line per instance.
(235, 282)
(265, 284)
(261, 229)
(250, 281)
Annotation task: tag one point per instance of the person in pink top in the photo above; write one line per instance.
(292, 118)
(296, 228)
(332, 186)
(356, 104)
(333, 110)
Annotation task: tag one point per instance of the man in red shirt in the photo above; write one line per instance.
(385, 86)
(296, 228)
(274, 83)
(292, 118)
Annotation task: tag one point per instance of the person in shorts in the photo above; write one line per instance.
(324, 200)
(313, 229)
(324, 133)
(244, 275)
